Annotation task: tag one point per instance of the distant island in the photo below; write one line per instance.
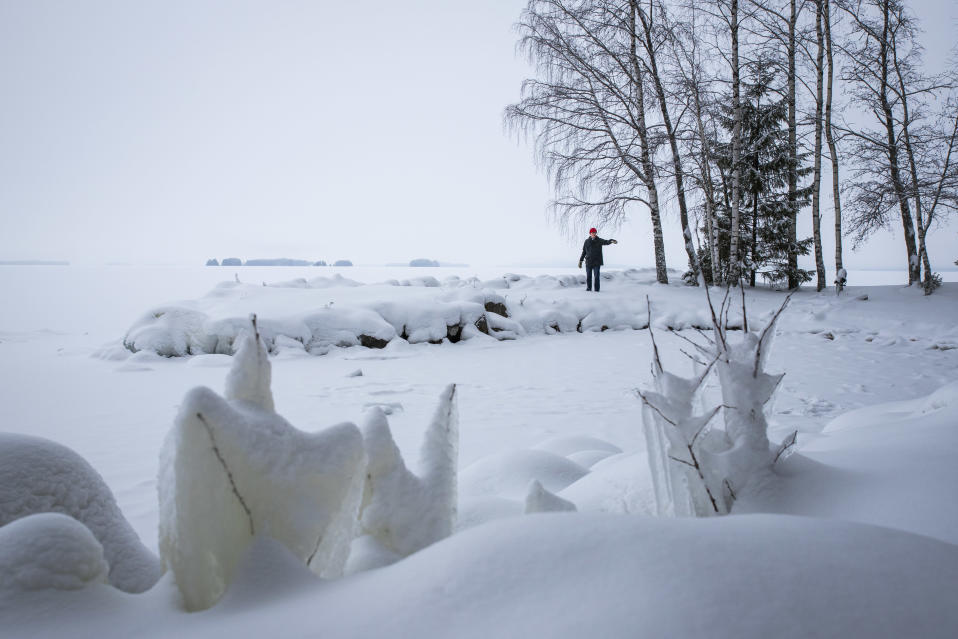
(421, 261)
(272, 261)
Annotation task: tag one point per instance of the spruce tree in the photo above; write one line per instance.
(763, 167)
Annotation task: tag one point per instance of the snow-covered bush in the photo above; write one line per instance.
(232, 469)
(401, 511)
(696, 469)
(49, 551)
(41, 476)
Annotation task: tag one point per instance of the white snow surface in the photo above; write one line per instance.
(853, 535)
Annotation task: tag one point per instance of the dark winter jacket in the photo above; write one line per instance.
(592, 250)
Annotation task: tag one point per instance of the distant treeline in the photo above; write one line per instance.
(34, 263)
(277, 261)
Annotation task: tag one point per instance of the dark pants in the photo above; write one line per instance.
(591, 269)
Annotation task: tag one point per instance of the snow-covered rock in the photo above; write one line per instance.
(342, 313)
(41, 476)
(232, 469)
(49, 551)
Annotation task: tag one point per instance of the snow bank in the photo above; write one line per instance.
(41, 476)
(890, 464)
(564, 575)
(49, 551)
(341, 312)
(232, 469)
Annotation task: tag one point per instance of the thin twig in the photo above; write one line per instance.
(761, 339)
(229, 474)
(787, 444)
(646, 401)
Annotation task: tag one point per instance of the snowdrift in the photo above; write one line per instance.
(574, 575)
(41, 476)
(340, 313)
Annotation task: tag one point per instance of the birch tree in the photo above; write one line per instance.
(830, 133)
(817, 153)
(878, 186)
(652, 39)
(587, 113)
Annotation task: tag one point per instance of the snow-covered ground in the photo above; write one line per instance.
(855, 535)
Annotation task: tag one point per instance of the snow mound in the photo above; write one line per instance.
(508, 474)
(608, 576)
(41, 476)
(945, 398)
(617, 484)
(589, 458)
(232, 469)
(884, 465)
(49, 551)
(569, 444)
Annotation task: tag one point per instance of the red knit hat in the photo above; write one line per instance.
(592, 230)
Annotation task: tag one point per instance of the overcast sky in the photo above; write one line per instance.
(173, 131)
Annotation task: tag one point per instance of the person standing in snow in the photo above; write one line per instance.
(592, 254)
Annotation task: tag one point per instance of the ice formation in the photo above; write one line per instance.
(49, 551)
(232, 469)
(540, 500)
(41, 476)
(697, 470)
(402, 511)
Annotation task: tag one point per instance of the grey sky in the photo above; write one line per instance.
(173, 131)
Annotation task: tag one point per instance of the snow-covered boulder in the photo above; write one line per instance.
(41, 476)
(171, 331)
(232, 469)
(347, 327)
(49, 551)
(402, 511)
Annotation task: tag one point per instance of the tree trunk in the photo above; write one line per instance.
(679, 174)
(817, 175)
(754, 237)
(913, 167)
(830, 137)
(914, 272)
(735, 260)
(645, 155)
(792, 153)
